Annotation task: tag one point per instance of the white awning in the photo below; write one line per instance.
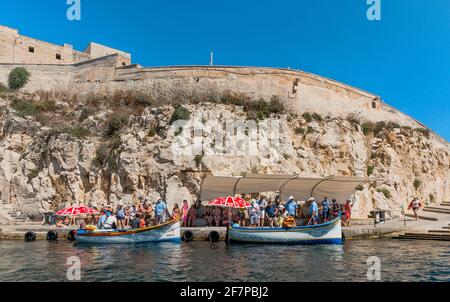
(302, 188)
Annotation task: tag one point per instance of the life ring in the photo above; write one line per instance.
(71, 235)
(52, 236)
(30, 237)
(187, 236)
(213, 236)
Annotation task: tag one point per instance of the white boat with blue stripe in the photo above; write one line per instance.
(166, 232)
(327, 233)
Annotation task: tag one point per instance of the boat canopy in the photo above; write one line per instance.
(302, 188)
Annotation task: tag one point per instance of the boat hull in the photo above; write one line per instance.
(167, 232)
(328, 233)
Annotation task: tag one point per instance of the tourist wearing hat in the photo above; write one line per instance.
(313, 211)
(291, 207)
(253, 212)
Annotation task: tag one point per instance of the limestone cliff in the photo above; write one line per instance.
(57, 149)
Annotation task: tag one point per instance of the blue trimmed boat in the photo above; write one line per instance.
(327, 233)
(166, 232)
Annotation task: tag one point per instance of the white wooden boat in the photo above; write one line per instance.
(327, 233)
(169, 231)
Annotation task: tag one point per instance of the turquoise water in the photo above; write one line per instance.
(202, 261)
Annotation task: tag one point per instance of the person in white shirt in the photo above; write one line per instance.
(262, 204)
(253, 213)
(110, 223)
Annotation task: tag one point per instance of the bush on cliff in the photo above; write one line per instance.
(368, 128)
(24, 108)
(107, 154)
(385, 192)
(307, 116)
(370, 169)
(18, 78)
(180, 113)
(115, 122)
(417, 183)
(77, 131)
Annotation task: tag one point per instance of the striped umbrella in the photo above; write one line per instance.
(229, 202)
(76, 211)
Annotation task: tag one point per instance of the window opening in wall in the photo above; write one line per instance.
(31, 49)
(374, 104)
(58, 56)
(295, 86)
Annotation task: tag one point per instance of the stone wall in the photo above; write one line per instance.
(18, 49)
(301, 91)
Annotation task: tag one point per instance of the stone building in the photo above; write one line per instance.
(18, 49)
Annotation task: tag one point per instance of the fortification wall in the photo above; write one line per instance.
(15, 48)
(301, 91)
(19, 49)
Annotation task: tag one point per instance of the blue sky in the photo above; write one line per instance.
(404, 58)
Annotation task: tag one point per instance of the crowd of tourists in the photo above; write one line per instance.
(262, 212)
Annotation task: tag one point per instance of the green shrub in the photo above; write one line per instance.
(299, 130)
(417, 184)
(263, 109)
(370, 169)
(307, 116)
(33, 174)
(353, 119)
(317, 117)
(407, 128)
(359, 187)
(393, 125)
(115, 123)
(385, 192)
(432, 198)
(379, 127)
(423, 131)
(368, 128)
(198, 160)
(46, 106)
(234, 99)
(180, 113)
(276, 106)
(310, 130)
(24, 108)
(107, 154)
(77, 131)
(18, 78)
(152, 132)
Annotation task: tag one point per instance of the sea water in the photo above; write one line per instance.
(203, 261)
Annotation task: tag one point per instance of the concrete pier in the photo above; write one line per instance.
(358, 230)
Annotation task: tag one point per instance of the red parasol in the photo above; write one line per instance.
(230, 202)
(76, 211)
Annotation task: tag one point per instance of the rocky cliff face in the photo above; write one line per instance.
(56, 150)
